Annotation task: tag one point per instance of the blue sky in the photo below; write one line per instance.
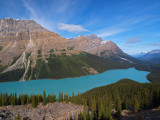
(134, 25)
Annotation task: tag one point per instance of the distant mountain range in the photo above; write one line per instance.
(138, 55)
(151, 56)
(37, 53)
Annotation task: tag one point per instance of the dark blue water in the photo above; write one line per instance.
(68, 85)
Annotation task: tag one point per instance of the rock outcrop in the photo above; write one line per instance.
(95, 45)
(52, 111)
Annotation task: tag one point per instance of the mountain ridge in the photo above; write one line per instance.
(152, 56)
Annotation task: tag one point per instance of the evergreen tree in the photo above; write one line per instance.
(76, 116)
(101, 110)
(118, 105)
(136, 105)
(84, 113)
(22, 99)
(16, 99)
(59, 97)
(38, 98)
(107, 109)
(44, 98)
(49, 99)
(73, 98)
(2, 99)
(70, 99)
(6, 99)
(146, 98)
(10, 99)
(78, 99)
(34, 102)
(66, 99)
(156, 98)
(28, 100)
(93, 109)
(126, 104)
(53, 98)
(80, 117)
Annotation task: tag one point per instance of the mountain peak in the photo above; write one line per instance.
(12, 27)
(12, 19)
(154, 51)
(80, 36)
(93, 35)
(110, 41)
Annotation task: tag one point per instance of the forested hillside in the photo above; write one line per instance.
(154, 76)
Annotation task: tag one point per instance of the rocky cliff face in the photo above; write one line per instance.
(24, 42)
(19, 36)
(95, 45)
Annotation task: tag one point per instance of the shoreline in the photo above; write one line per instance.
(78, 76)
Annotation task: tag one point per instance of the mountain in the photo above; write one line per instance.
(29, 51)
(106, 49)
(23, 42)
(151, 56)
(138, 55)
(26, 36)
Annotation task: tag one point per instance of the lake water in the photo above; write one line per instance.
(68, 85)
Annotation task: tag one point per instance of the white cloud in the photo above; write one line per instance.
(71, 28)
(153, 44)
(110, 33)
(122, 26)
(134, 40)
(30, 9)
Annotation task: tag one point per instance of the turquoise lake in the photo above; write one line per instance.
(68, 85)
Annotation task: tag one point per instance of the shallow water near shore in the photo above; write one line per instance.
(68, 85)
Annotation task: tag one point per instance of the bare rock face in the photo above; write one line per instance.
(19, 36)
(95, 45)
